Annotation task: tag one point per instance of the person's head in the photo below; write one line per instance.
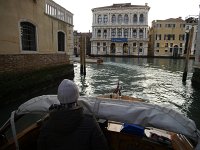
(68, 92)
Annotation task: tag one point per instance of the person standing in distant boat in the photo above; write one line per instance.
(68, 128)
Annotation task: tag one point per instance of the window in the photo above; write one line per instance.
(170, 25)
(141, 33)
(28, 36)
(141, 44)
(157, 44)
(120, 19)
(180, 50)
(158, 26)
(105, 19)
(98, 46)
(126, 19)
(113, 32)
(125, 33)
(105, 34)
(135, 18)
(181, 44)
(134, 33)
(113, 19)
(61, 41)
(134, 44)
(169, 37)
(99, 19)
(104, 47)
(182, 25)
(158, 36)
(119, 32)
(181, 37)
(99, 33)
(166, 45)
(141, 18)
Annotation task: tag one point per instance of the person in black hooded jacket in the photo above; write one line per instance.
(68, 128)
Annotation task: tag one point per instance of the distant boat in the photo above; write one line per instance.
(128, 123)
(89, 60)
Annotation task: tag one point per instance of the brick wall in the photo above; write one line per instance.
(30, 62)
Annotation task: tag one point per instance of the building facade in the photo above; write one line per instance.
(196, 73)
(167, 38)
(191, 22)
(78, 36)
(34, 34)
(120, 29)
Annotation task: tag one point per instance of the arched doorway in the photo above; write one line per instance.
(112, 48)
(175, 51)
(125, 48)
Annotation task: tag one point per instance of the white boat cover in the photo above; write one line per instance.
(38, 104)
(141, 113)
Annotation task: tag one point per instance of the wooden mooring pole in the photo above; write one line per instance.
(82, 56)
(188, 54)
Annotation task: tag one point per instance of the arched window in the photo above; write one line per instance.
(119, 32)
(61, 41)
(99, 19)
(113, 19)
(125, 48)
(126, 19)
(125, 33)
(135, 18)
(113, 32)
(99, 33)
(119, 18)
(134, 33)
(28, 36)
(105, 19)
(141, 18)
(141, 33)
(112, 48)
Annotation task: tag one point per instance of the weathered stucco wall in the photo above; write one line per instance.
(13, 12)
(12, 57)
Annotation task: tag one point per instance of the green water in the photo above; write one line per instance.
(158, 81)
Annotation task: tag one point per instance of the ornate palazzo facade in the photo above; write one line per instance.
(120, 29)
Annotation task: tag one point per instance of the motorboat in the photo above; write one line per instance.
(127, 124)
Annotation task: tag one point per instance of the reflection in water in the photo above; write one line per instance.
(157, 81)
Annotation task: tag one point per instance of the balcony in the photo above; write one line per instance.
(55, 10)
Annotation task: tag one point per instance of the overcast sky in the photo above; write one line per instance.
(159, 9)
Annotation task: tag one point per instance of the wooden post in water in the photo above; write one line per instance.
(82, 56)
(84, 50)
(188, 54)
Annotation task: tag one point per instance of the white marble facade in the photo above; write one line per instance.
(120, 29)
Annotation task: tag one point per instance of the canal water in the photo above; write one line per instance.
(156, 80)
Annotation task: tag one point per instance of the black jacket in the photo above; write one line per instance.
(70, 129)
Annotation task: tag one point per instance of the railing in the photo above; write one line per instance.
(55, 10)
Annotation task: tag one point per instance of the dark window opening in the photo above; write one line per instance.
(28, 36)
(61, 41)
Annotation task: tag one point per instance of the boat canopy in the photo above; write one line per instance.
(140, 113)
